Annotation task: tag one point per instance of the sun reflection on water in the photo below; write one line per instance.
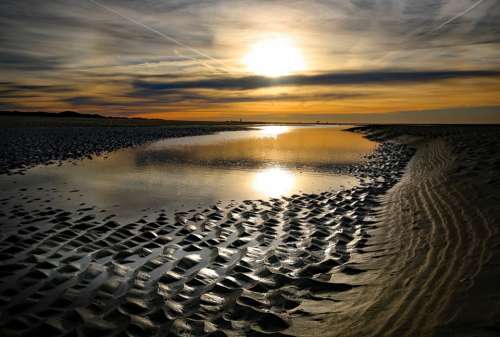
(273, 130)
(273, 182)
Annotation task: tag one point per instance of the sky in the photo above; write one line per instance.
(294, 61)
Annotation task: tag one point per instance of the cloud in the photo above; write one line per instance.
(173, 97)
(86, 101)
(79, 34)
(72, 53)
(459, 15)
(25, 61)
(12, 89)
(328, 79)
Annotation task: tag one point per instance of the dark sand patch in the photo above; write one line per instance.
(26, 142)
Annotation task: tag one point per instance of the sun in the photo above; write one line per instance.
(274, 57)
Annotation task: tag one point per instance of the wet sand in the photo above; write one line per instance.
(410, 252)
(30, 141)
(432, 261)
(241, 270)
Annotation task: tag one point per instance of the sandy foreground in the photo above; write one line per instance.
(433, 261)
(411, 252)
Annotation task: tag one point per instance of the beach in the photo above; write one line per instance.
(250, 168)
(410, 251)
(432, 262)
(32, 140)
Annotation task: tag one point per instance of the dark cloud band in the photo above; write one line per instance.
(328, 79)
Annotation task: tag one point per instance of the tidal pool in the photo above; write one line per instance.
(190, 172)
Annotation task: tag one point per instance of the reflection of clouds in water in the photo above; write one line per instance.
(182, 142)
(309, 146)
(273, 182)
(218, 138)
(139, 178)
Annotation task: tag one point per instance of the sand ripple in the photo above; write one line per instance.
(244, 269)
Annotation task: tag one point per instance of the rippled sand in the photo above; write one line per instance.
(242, 270)
(431, 263)
(410, 252)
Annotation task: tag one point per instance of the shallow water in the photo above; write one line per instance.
(190, 172)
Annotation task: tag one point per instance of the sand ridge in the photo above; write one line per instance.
(431, 260)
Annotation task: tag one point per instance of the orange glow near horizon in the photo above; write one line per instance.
(257, 61)
(373, 100)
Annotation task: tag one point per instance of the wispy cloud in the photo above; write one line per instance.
(219, 64)
(459, 15)
(119, 56)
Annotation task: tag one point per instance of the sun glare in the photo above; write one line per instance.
(273, 57)
(273, 182)
(273, 130)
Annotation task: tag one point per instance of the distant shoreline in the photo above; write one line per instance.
(67, 113)
(139, 121)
